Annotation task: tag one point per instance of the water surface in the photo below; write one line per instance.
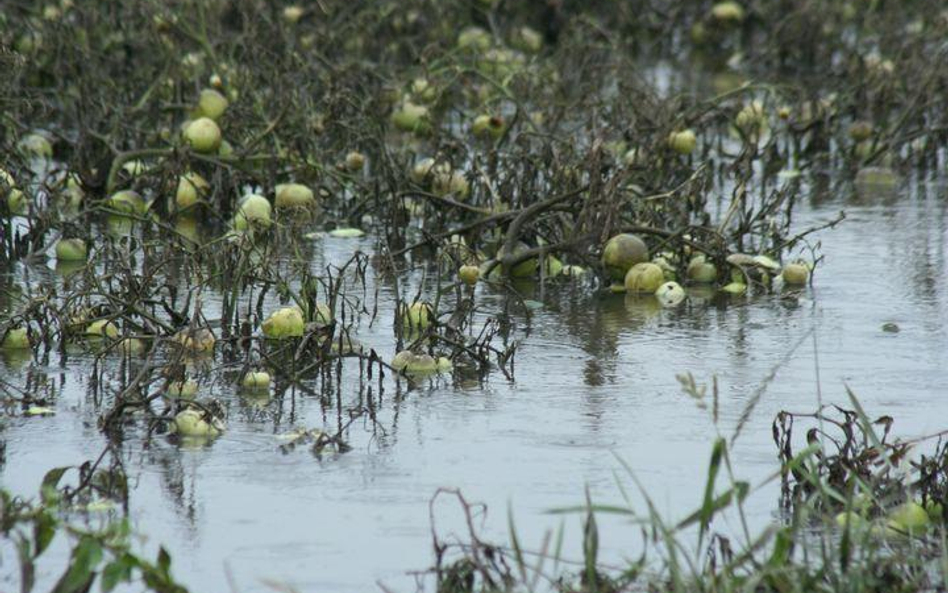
(595, 381)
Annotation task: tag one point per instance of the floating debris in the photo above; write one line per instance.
(346, 233)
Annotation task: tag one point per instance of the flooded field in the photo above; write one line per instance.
(595, 380)
(471, 297)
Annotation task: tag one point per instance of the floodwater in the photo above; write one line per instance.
(595, 382)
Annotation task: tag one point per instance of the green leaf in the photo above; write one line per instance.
(81, 572)
(118, 571)
(866, 424)
(720, 502)
(783, 546)
(599, 508)
(707, 506)
(44, 529)
(558, 547)
(515, 543)
(590, 546)
(51, 482)
(164, 560)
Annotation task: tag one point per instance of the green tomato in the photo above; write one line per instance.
(420, 364)
(527, 40)
(191, 189)
(192, 423)
(196, 341)
(203, 135)
(284, 323)
(702, 271)
(488, 126)
(71, 250)
(36, 145)
(795, 274)
(727, 13)
(16, 338)
(474, 39)
(644, 277)
(850, 519)
(935, 510)
(621, 253)
(410, 117)
(256, 381)
(469, 274)
(102, 328)
(421, 172)
(132, 346)
(254, 210)
(212, 104)
(683, 142)
(909, 517)
(186, 389)
(16, 200)
(294, 195)
(128, 201)
(670, 294)
(525, 269)
(323, 315)
(355, 161)
(418, 316)
(451, 183)
(552, 266)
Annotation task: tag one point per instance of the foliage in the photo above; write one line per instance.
(102, 554)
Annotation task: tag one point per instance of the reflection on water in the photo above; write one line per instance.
(595, 376)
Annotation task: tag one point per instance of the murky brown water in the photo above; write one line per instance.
(595, 380)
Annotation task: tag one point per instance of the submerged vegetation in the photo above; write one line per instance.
(178, 163)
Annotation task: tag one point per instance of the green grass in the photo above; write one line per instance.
(844, 466)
